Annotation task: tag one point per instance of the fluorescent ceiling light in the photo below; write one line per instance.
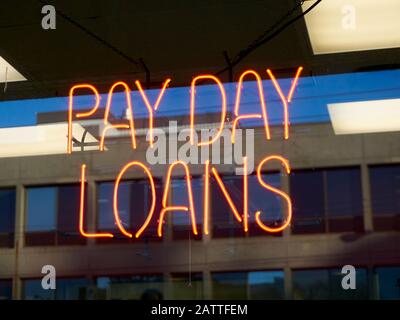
(365, 116)
(40, 140)
(353, 25)
(8, 73)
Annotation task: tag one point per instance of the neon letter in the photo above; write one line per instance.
(167, 208)
(82, 210)
(82, 114)
(118, 126)
(115, 203)
(148, 105)
(277, 191)
(192, 108)
(285, 100)
(226, 194)
(250, 116)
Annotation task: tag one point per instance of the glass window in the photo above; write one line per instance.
(248, 285)
(106, 219)
(265, 201)
(229, 285)
(307, 194)
(185, 287)
(385, 196)
(326, 200)
(260, 199)
(322, 284)
(7, 217)
(134, 203)
(41, 208)
(5, 289)
(66, 289)
(266, 285)
(181, 222)
(140, 287)
(73, 289)
(224, 223)
(68, 205)
(53, 216)
(388, 282)
(344, 207)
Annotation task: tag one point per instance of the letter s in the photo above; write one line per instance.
(280, 193)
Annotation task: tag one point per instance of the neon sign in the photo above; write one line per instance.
(241, 215)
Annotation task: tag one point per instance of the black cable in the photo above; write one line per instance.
(269, 30)
(95, 36)
(262, 39)
(258, 42)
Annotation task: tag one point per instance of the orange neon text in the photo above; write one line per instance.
(192, 108)
(195, 83)
(280, 193)
(166, 208)
(115, 199)
(82, 114)
(263, 114)
(82, 210)
(154, 107)
(285, 100)
(108, 126)
(209, 172)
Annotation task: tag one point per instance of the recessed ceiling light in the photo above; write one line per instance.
(365, 116)
(353, 25)
(8, 73)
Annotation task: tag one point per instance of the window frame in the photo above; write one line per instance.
(326, 226)
(10, 236)
(55, 239)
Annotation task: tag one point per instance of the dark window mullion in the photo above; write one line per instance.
(57, 213)
(325, 192)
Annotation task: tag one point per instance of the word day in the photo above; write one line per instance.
(152, 108)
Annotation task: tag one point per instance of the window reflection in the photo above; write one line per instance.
(66, 289)
(224, 223)
(248, 285)
(266, 285)
(322, 284)
(7, 217)
(186, 287)
(388, 282)
(134, 203)
(53, 215)
(265, 201)
(327, 200)
(181, 222)
(223, 220)
(140, 287)
(5, 289)
(385, 200)
(42, 209)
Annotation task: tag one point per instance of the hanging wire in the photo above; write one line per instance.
(272, 32)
